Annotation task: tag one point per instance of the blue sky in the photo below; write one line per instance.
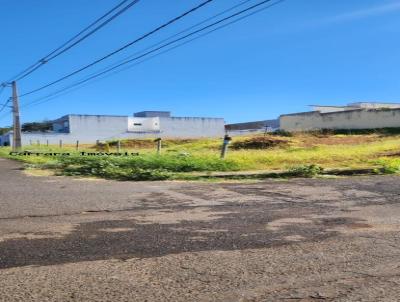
(297, 53)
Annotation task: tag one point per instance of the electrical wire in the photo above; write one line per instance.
(2, 87)
(96, 75)
(3, 106)
(65, 46)
(175, 35)
(121, 48)
(191, 27)
(174, 41)
(183, 31)
(96, 29)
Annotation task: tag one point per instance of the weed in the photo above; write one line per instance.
(305, 171)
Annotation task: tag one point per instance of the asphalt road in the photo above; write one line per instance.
(65, 239)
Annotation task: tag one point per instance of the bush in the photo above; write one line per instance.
(108, 168)
(389, 170)
(305, 171)
(119, 174)
(259, 142)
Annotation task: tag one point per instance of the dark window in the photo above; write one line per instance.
(137, 124)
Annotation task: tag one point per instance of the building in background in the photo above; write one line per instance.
(87, 129)
(362, 115)
(252, 127)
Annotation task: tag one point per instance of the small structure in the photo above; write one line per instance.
(361, 115)
(87, 129)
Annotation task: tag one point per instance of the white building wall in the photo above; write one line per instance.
(355, 119)
(98, 125)
(42, 138)
(141, 124)
(87, 129)
(192, 127)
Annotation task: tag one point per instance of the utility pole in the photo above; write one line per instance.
(16, 121)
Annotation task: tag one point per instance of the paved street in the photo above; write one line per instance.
(65, 239)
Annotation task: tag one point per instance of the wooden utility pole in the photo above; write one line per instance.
(16, 120)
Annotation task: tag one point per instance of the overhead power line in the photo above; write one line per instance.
(4, 106)
(121, 48)
(118, 13)
(186, 30)
(251, 11)
(2, 86)
(179, 33)
(78, 38)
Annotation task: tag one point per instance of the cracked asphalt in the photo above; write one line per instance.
(66, 239)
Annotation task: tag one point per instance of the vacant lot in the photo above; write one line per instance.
(67, 239)
(179, 159)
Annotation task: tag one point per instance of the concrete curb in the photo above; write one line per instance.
(285, 174)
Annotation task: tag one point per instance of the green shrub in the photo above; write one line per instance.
(305, 171)
(389, 170)
(119, 174)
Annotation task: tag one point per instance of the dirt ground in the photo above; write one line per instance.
(318, 140)
(64, 239)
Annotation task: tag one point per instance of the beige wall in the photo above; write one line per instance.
(354, 119)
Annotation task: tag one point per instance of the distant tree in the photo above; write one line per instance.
(4, 130)
(37, 126)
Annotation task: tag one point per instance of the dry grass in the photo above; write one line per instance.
(305, 140)
(270, 152)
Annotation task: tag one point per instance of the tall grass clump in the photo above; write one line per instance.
(142, 167)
